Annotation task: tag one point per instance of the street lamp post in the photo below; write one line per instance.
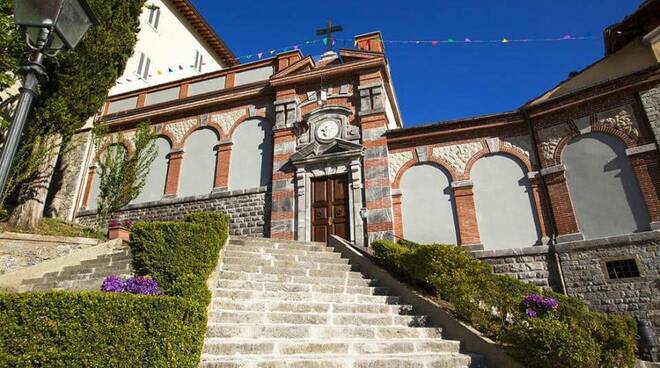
(50, 26)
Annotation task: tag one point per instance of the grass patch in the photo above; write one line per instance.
(55, 227)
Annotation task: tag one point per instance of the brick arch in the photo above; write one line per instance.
(122, 143)
(433, 161)
(625, 138)
(167, 136)
(217, 132)
(245, 118)
(504, 151)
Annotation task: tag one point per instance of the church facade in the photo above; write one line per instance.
(563, 192)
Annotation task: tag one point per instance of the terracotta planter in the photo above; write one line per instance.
(119, 232)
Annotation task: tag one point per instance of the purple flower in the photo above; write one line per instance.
(114, 223)
(531, 313)
(550, 304)
(142, 286)
(535, 305)
(128, 223)
(113, 284)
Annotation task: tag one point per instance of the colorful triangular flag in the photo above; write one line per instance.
(504, 40)
(434, 43)
(467, 40)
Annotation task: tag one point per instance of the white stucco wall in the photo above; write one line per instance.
(252, 155)
(174, 43)
(199, 158)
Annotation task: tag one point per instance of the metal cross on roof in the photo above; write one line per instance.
(328, 31)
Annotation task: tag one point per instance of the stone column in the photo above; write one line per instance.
(222, 164)
(173, 173)
(398, 216)
(91, 173)
(468, 228)
(356, 187)
(541, 206)
(283, 193)
(562, 208)
(651, 102)
(644, 160)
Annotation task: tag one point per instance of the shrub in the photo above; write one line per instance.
(500, 307)
(180, 256)
(95, 329)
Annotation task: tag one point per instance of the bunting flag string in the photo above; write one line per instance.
(350, 42)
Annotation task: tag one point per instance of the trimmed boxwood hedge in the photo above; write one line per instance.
(94, 329)
(572, 336)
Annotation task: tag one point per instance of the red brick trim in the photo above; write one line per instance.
(466, 214)
(385, 226)
(504, 151)
(173, 173)
(647, 171)
(222, 164)
(88, 186)
(213, 128)
(562, 207)
(433, 161)
(398, 215)
(287, 235)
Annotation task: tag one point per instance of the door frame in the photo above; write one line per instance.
(303, 183)
(329, 179)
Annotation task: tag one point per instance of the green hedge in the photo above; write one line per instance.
(180, 256)
(570, 337)
(94, 329)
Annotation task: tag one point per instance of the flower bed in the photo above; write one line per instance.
(540, 328)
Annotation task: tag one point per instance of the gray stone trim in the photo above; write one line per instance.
(553, 170)
(370, 85)
(170, 200)
(567, 238)
(371, 112)
(396, 192)
(641, 149)
(583, 124)
(534, 175)
(612, 241)
(478, 247)
(461, 184)
(287, 101)
(513, 252)
(655, 225)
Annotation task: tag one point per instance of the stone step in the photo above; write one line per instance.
(264, 258)
(226, 304)
(281, 244)
(291, 270)
(349, 278)
(411, 360)
(257, 250)
(303, 296)
(256, 262)
(299, 288)
(308, 331)
(223, 346)
(335, 319)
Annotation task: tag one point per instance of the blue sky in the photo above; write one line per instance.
(447, 81)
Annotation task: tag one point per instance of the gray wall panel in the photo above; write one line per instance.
(122, 105)
(198, 172)
(254, 75)
(252, 155)
(603, 187)
(504, 204)
(427, 206)
(155, 184)
(165, 95)
(206, 86)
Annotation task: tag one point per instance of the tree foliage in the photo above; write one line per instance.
(78, 85)
(122, 173)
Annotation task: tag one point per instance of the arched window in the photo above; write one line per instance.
(117, 151)
(604, 190)
(198, 171)
(427, 205)
(154, 186)
(252, 155)
(505, 207)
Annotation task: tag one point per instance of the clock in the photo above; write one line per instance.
(327, 131)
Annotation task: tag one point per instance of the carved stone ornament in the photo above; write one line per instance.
(397, 160)
(458, 155)
(226, 120)
(550, 138)
(179, 129)
(622, 119)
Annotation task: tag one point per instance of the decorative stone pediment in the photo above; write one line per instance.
(622, 118)
(308, 129)
(458, 155)
(550, 138)
(318, 152)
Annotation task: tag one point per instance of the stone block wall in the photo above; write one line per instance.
(88, 275)
(585, 276)
(248, 211)
(18, 251)
(535, 265)
(651, 102)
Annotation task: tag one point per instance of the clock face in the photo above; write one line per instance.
(327, 130)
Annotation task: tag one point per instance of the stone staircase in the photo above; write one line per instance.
(280, 304)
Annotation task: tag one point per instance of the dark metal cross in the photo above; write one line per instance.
(328, 33)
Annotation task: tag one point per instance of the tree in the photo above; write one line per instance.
(122, 174)
(78, 86)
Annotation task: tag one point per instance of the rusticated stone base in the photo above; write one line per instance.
(248, 210)
(535, 265)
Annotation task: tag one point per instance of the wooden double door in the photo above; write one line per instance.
(330, 208)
